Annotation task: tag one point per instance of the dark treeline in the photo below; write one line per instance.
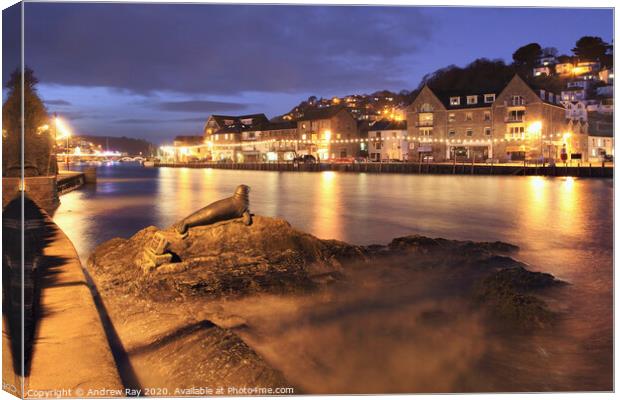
(123, 144)
(488, 75)
(485, 75)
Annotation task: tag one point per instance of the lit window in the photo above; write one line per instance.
(517, 101)
(472, 99)
(426, 132)
(487, 115)
(451, 117)
(489, 98)
(426, 108)
(425, 119)
(455, 101)
(469, 116)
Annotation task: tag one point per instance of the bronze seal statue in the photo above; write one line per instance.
(236, 206)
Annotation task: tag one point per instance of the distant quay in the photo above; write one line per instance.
(585, 171)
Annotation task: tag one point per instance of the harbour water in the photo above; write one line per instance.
(563, 226)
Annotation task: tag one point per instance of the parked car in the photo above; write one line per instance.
(305, 159)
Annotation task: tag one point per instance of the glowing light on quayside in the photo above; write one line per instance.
(62, 131)
(535, 128)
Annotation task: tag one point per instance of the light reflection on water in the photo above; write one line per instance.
(547, 217)
(563, 225)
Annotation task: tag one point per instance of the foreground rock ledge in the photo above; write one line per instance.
(232, 260)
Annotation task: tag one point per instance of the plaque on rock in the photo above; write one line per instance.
(156, 252)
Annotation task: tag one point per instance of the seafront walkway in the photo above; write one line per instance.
(70, 353)
(458, 168)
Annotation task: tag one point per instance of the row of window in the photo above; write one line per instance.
(470, 131)
(452, 132)
(426, 119)
(469, 116)
(471, 100)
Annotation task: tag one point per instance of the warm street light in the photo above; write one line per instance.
(62, 129)
(535, 128)
(65, 133)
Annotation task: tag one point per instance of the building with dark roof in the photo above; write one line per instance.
(329, 133)
(387, 140)
(514, 122)
(223, 132)
(274, 141)
(600, 136)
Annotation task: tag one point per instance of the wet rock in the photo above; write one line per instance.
(229, 260)
(507, 294)
(225, 259)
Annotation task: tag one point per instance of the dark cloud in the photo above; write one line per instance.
(11, 41)
(202, 106)
(57, 102)
(222, 49)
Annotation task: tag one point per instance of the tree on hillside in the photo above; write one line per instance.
(479, 76)
(527, 55)
(564, 58)
(549, 52)
(552, 83)
(591, 48)
(38, 142)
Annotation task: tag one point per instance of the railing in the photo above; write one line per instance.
(515, 119)
(424, 123)
(412, 167)
(516, 103)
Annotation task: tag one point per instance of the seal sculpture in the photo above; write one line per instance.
(236, 206)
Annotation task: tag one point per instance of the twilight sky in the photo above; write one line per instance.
(156, 71)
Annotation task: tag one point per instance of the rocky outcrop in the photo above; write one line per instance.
(156, 274)
(228, 258)
(231, 258)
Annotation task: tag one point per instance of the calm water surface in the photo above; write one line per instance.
(563, 225)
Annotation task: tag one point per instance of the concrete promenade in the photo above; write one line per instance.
(461, 168)
(71, 354)
(71, 350)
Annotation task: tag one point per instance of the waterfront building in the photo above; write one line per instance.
(515, 122)
(189, 148)
(329, 133)
(387, 140)
(222, 134)
(274, 141)
(442, 126)
(600, 136)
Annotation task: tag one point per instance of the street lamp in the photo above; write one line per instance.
(65, 133)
